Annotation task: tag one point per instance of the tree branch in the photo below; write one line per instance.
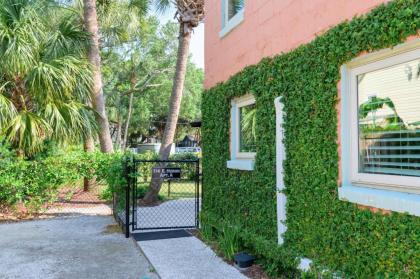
(145, 84)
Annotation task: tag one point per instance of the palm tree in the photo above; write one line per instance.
(44, 79)
(189, 14)
(119, 20)
(98, 100)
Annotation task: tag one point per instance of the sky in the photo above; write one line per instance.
(197, 41)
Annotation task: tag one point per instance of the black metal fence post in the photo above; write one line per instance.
(134, 196)
(197, 191)
(127, 199)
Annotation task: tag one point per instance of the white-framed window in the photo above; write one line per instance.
(381, 129)
(232, 15)
(242, 129)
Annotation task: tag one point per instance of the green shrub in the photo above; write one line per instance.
(35, 182)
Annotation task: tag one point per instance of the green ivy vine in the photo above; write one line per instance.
(337, 235)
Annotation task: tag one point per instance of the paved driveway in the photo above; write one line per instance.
(72, 247)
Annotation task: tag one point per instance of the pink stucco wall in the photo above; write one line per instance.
(270, 27)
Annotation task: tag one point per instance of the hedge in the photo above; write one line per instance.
(35, 182)
(336, 234)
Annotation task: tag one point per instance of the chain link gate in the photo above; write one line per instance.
(179, 199)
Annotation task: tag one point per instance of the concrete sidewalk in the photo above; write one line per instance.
(72, 247)
(186, 258)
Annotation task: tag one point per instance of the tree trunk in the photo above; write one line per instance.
(89, 146)
(133, 81)
(174, 107)
(127, 123)
(20, 153)
(98, 101)
(119, 130)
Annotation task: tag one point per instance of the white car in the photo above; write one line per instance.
(188, 150)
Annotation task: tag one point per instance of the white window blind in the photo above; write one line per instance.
(389, 120)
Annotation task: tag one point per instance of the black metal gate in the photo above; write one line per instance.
(178, 202)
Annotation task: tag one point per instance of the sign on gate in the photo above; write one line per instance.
(166, 173)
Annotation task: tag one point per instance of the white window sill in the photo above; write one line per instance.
(232, 23)
(384, 199)
(241, 164)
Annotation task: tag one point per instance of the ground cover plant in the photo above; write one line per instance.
(337, 235)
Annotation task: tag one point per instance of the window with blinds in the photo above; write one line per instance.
(389, 120)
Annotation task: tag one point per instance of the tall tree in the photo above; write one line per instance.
(98, 100)
(189, 14)
(44, 77)
(132, 70)
(119, 19)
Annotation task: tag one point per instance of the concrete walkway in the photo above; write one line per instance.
(186, 258)
(72, 247)
(179, 212)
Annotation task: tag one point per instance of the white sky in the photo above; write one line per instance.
(197, 42)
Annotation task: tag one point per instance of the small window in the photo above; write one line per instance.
(243, 134)
(232, 15)
(385, 128)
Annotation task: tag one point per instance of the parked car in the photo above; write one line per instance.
(195, 150)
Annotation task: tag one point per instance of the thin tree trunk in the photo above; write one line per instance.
(119, 124)
(174, 108)
(98, 101)
(89, 146)
(127, 123)
(133, 81)
(119, 130)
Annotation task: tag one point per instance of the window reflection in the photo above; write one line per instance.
(389, 120)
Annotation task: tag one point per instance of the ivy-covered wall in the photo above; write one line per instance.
(337, 235)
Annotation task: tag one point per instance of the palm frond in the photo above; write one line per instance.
(71, 122)
(20, 33)
(45, 77)
(69, 38)
(27, 131)
(7, 109)
(58, 79)
(162, 5)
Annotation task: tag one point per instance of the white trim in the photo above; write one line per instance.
(243, 164)
(384, 53)
(390, 194)
(243, 101)
(385, 199)
(280, 156)
(305, 264)
(239, 160)
(229, 24)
